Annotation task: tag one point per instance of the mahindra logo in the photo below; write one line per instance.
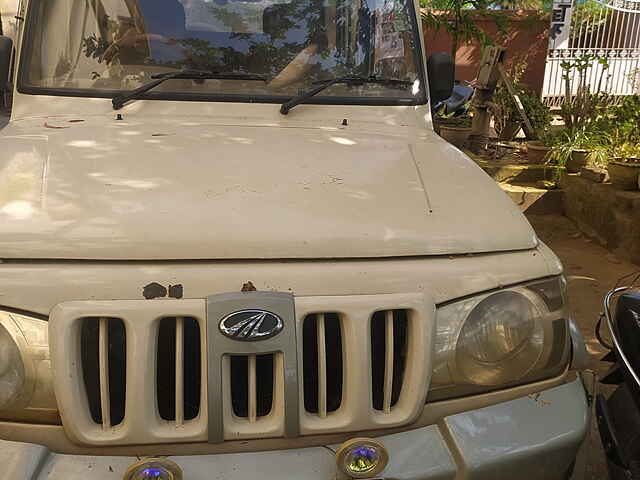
(251, 325)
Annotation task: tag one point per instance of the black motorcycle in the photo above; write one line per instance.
(619, 415)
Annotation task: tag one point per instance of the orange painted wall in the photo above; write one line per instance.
(526, 38)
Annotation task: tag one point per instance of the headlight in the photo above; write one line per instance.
(12, 377)
(501, 339)
(26, 389)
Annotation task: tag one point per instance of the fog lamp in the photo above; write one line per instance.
(362, 458)
(154, 469)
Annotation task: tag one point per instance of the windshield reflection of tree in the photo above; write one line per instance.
(289, 28)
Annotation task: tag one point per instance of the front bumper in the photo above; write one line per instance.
(537, 436)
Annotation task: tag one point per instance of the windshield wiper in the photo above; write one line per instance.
(119, 101)
(348, 80)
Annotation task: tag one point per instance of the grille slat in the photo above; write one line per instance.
(401, 342)
(253, 400)
(322, 363)
(239, 377)
(322, 367)
(388, 357)
(179, 370)
(103, 354)
(252, 385)
(265, 381)
(389, 362)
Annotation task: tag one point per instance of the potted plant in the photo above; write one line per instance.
(581, 149)
(624, 169)
(578, 159)
(507, 119)
(538, 152)
(619, 139)
(539, 147)
(583, 111)
(456, 130)
(573, 149)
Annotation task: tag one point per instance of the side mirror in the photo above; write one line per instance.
(441, 73)
(6, 50)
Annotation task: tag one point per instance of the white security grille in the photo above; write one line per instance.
(607, 32)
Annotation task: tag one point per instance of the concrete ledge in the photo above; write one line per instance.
(605, 213)
(534, 200)
(514, 173)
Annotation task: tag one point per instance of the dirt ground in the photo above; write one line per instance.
(592, 271)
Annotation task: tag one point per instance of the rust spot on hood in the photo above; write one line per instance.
(176, 291)
(154, 290)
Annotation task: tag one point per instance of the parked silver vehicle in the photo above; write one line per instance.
(231, 246)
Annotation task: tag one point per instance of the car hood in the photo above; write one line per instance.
(156, 191)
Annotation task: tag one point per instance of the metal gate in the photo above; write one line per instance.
(595, 44)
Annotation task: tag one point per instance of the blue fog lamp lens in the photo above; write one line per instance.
(362, 458)
(154, 469)
(153, 473)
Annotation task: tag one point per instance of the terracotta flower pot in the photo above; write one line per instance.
(577, 160)
(458, 136)
(537, 153)
(624, 175)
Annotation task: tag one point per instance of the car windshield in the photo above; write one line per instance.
(106, 47)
